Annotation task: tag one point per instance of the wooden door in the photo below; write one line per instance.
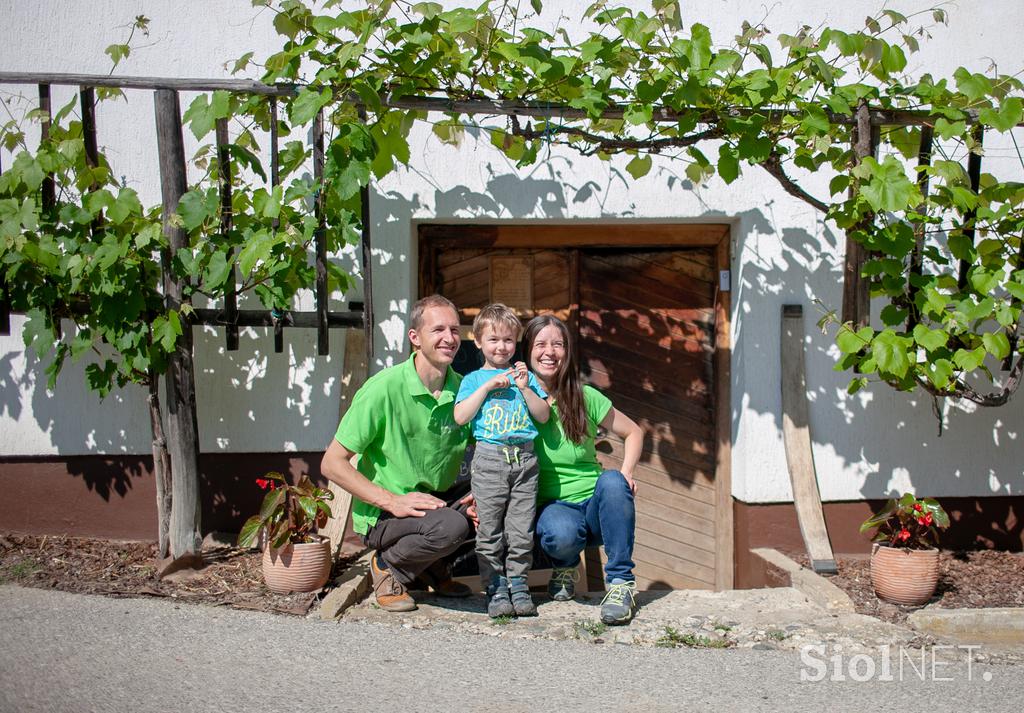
(646, 336)
(652, 334)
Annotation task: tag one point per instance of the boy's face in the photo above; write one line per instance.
(497, 343)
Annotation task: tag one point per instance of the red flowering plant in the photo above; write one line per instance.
(288, 513)
(908, 523)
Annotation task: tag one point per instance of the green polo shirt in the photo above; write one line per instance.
(406, 439)
(569, 471)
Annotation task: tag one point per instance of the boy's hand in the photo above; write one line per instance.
(500, 381)
(522, 375)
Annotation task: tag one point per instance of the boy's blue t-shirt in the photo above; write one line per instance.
(504, 416)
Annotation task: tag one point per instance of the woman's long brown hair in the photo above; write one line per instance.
(568, 393)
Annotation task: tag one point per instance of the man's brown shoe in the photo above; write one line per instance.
(438, 578)
(388, 591)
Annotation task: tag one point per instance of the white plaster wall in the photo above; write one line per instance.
(868, 445)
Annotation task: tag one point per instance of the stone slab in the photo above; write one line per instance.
(349, 587)
(996, 625)
(812, 585)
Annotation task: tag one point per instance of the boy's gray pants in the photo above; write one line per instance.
(504, 482)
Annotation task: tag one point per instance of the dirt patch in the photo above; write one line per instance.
(231, 577)
(967, 580)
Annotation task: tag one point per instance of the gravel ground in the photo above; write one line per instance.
(70, 653)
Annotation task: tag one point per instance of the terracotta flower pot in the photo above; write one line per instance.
(304, 567)
(904, 576)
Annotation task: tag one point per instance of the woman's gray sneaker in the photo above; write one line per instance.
(619, 604)
(562, 585)
(519, 592)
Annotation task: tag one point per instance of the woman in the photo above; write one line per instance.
(578, 504)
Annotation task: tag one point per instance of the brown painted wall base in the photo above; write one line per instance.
(977, 523)
(115, 496)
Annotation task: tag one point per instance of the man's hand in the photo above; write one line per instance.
(522, 376)
(413, 504)
(471, 510)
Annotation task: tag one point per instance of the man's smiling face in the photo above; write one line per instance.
(437, 337)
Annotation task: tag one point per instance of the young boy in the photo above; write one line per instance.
(500, 399)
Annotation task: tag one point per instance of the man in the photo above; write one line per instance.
(410, 449)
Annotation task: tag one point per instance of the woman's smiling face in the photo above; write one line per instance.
(548, 353)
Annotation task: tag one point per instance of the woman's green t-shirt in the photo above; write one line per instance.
(569, 471)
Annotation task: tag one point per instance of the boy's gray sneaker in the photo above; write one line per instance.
(519, 592)
(498, 601)
(619, 604)
(562, 585)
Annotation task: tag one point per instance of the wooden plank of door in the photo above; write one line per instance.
(797, 438)
(355, 371)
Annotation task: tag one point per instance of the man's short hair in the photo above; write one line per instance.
(422, 305)
(494, 315)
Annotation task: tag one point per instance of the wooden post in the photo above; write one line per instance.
(275, 166)
(974, 174)
(796, 435)
(5, 302)
(353, 375)
(231, 294)
(856, 295)
(323, 346)
(366, 255)
(182, 428)
(87, 99)
(49, 190)
(161, 466)
(924, 159)
(5, 308)
(275, 180)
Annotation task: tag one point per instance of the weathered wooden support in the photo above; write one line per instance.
(275, 180)
(182, 429)
(924, 160)
(5, 308)
(970, 217)
(856, 288)
(87, 100)
(366, 256)
(353, 374)
(48, 189)
(279, 335)
(796, 436)
(275, 159)
(161, 467)
(226, 211)
(323, 346)
(5, 301)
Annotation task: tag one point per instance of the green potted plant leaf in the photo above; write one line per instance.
(905, 557)
(295, 559)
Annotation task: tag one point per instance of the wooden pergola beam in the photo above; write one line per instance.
(500, 107)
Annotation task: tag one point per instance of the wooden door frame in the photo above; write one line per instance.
(433, 237)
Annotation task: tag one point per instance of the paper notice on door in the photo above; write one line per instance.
(512, 281)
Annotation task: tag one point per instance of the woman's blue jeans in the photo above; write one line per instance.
(608, 517)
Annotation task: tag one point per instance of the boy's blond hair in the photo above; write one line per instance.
(494, 315)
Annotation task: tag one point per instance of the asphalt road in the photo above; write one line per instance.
(64, 652)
